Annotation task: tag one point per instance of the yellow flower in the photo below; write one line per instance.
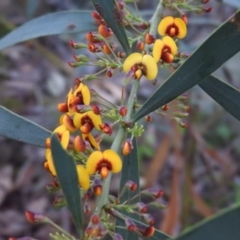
(80, 96)
(91, 139)
(141, 65)
(87, 121)
(64, 137)
(173, 27)
(164, 49)
(83, 177)
(102, 162)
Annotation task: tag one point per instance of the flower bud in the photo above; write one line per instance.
(130, 225)
(104, 31)
(62, 107)
(148, 118)
(77, 45)
(79, 144)
(121, 54)
(106, 49)
(148, 218)
(142, 207)
(109, 72)
(146, 231)
(122, 111)
(96, 109)
(127, 147)
(35, 217)
(140, 45)
(97, 187)
(93, 48)
(68, 122)
(207, 10)
(153, 192)
(53, 187)
(95, 219)
(132, 186)
(106, 128)
(149, 39)
(165, 107)
(184, 18)
(59, 202)
(86, 208)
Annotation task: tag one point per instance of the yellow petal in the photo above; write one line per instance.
(96, 119)
(92, 162)
(131, 60)
(89, 137)
(50, 162)
(65, 139)
(77, 119)
(86, 95)
(60, 130)
(157, 50)
(83, 177)
(168, 41)
(78, 89)
(181, 27)
(163, 25)
(151, 67)
(114, 159)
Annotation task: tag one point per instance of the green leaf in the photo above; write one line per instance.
(65, 22)
(18, 128)
(224, 94)
(130, 171)
(158, 235)
(218, 48)
(111, 14)
(67, 175)
(222, 226)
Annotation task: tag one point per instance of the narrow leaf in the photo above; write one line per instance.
(68, 179)
(65, 22)
(18, 128)
(224, 94)
(111, 14)
(224, 225)
(217, 49)
(130, 171)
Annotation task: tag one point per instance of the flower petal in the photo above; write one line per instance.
(151, 67)
(96, 119)
(92, 162)
(168, 41)
(65, 139)
(157, 49)
(163, 25)
(131, 60)
(77, 119)
(86, 95)
(83, 177)
(49, 159)
(182, 28)
(114, 159)
(89, 137)
(78, 89)
(60, 129)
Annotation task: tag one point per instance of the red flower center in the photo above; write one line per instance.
(172, 30)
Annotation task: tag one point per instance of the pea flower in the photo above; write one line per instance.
(103, 162)
(83, 177)
(64, 137)
(173, 27)
(92, 141)
(164, 49)
(141, 65)
(87, 121)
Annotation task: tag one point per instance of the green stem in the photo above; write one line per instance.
(103, 199)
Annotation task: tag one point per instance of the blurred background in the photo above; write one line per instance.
(198, 168)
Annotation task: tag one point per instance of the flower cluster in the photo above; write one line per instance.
(164, 50)
(80, 118)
